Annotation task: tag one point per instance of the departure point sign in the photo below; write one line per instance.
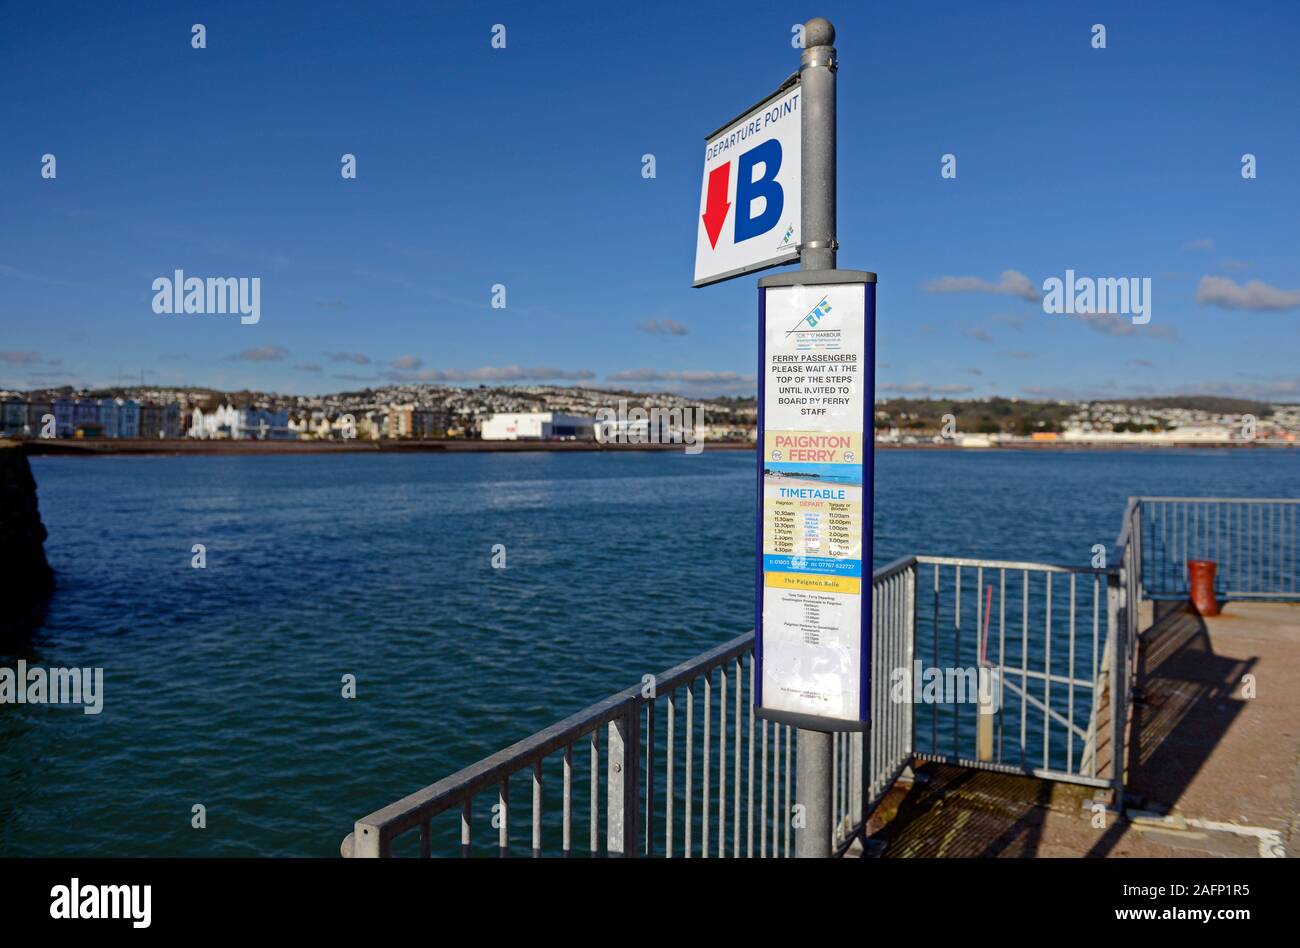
(749, 199)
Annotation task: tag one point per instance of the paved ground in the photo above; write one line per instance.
(1215, 767)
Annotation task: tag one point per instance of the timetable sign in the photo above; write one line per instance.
(815, 498)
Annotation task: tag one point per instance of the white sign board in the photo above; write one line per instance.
(749, 198)
(815, 503)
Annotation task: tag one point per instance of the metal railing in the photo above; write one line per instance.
(689, 770)
(727, 776)
(620, 717)
(1051, 651)
(1253, 541)
(893, 645)
(1012, 664)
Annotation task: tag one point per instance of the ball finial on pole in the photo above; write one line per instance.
(818, 32)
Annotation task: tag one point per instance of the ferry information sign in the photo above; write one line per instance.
(816, 362)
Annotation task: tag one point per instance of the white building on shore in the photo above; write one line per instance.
(538, 426)
(222, 422)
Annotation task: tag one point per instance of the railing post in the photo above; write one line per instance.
(1118, 680)
(858, 778)
(621, 769)
(910, 656)
(368, 842)
(984, 713)
(1135, 538)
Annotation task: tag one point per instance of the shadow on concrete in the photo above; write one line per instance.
(1183, 706)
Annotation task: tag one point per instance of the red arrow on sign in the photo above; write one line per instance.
(716, 206)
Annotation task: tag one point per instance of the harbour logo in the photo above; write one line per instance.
(980, 686)
(84, 686)
(1105, 296)
(240, 296)
(813, 317)
(103, 901)
(636, 425)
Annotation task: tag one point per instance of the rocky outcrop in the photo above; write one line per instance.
(25, 575)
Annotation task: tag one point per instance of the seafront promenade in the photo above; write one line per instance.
(188, 446)
(181, 446)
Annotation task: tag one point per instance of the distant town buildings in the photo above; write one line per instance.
(108, 416)
(85, 418)
(1155, 423)
(128, 419)
(405, 415)
(13, 414)
(411, 421)
(540, 412)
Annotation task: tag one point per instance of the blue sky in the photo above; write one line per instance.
(522, 166)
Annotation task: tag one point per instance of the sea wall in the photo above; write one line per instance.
(25, 574)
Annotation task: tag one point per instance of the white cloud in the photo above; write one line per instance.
(1051, 393)
(1113, 324)
(669, 326)
(924, 388)
(264, 354)
(654, 375)
(495, 373)
(701, 383)
(1010, 283)
(1256, 295)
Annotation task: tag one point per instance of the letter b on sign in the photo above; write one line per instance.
(749, 190)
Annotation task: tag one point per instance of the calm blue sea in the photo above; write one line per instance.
(222, 685)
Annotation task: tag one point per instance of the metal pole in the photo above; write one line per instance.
(817, 68)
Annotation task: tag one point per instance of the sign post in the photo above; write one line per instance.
(813, 612)
(817, 68)
(816, 427)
